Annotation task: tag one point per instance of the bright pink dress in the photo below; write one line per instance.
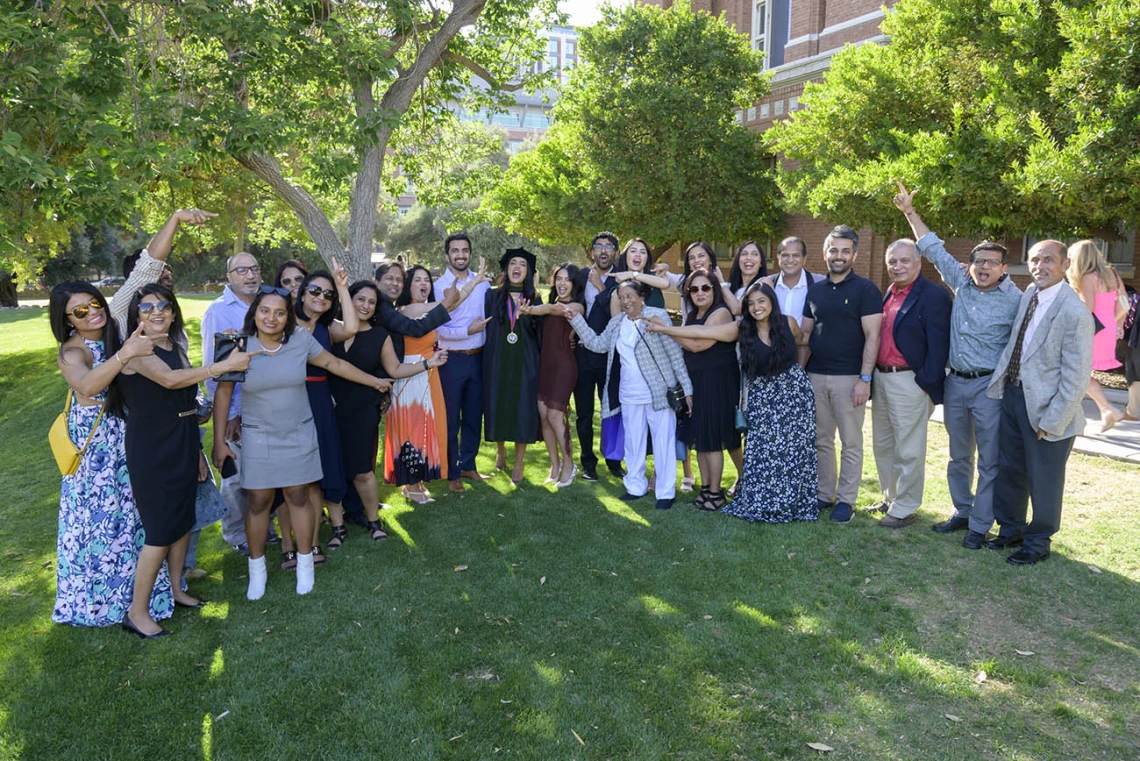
(1104, 342)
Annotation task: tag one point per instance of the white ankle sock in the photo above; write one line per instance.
(257, 576)
(304, 573)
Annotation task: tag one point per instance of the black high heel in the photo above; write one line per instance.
(201, 604)
(129, 626)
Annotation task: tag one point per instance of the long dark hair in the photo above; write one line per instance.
(736, 277)
(249, 327)
(62, 329)
(334, 306)
(717, 294)
(359, 286)
(623, 260)
(176, 324)
(707, 249)
(778, 333)
(406, 294)
(502, 291)
(288, 264)
(576, 288)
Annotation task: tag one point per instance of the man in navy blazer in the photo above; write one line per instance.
(910, 370)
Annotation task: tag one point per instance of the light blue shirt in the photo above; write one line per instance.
(980, 321)
(453, 333)
(227, 312)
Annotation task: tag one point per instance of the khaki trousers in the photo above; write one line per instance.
(834, 411)
(900, 411)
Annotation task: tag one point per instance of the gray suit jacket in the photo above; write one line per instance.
(1055, 366)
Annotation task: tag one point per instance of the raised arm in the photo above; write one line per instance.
(586, 335)
(76, 366)
(349, 371)
(155, 369)
(345, 328)
(727, 330)
(397, 369)
(929, 244)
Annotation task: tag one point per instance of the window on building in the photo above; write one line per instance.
(403, 209)
(514, 146)
(509, 119)
(570, 58)
(771, 25)
(536, 120)
(553, 51)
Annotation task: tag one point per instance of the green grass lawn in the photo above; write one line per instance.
(583, 628)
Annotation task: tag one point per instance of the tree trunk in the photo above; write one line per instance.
(8, 290)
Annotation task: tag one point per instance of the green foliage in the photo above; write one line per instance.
(644, 139)
(1010, 116)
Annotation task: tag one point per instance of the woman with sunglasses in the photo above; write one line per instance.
(317, 304)
(100, 534)
(164, 456)
(289, 276)
(640, 369)
(279, 438)
(715, 374)
(778, 481)
(748, 265)
(359, 408)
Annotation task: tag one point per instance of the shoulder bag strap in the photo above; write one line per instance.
(94, 428)
(641, 335)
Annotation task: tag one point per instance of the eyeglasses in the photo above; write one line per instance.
(700, 288)
(289, 282)
(605, 247)
(316, 291)
(81, 311)
(243, 271)
(985, 263)
(278, 291)
(146, 307)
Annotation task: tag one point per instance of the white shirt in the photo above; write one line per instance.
(1044, 300)
(591, 292)
(453, 333)
(633, 388)
(792, 299)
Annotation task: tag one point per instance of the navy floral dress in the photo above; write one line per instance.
(100, 533)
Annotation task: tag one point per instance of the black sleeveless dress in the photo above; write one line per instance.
(357, 407)
(162, 452)
(715, 374)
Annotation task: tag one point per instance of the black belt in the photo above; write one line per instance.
(892, 368)
(971, 376)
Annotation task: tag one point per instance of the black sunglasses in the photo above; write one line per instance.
(146, 307)
(700, 288)
(279, 291)
(316, 290)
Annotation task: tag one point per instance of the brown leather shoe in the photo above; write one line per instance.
(472, 475)
(890, 521)
(455, 486)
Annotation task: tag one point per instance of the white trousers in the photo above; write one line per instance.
(641, 421)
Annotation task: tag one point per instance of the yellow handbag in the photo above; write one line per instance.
(67, 457)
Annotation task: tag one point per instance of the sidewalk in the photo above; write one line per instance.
(1120, 443)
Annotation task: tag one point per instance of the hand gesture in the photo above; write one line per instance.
(451, 297)
(567, 312)
(237, 361)
(137, 345)
(524, 305)
(193, 216)
(655, 324)
(477, 325)
(339, 274)
(383, 384)
(904, 201)
(481, 275)
(437, 359)
(661, 269)
(596, 278)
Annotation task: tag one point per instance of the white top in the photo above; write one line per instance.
(453, 333)
(1044, 300)
(792, 299)
(633, 388)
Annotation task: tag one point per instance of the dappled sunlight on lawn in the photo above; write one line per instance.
(622, 510)
(752, 614)
(390, 519)
(658, 607)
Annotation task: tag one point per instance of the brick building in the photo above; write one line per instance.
(799, 38)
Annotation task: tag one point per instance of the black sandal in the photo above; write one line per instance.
(318, 555)
(714, 502)
(339, 534)
(288, 560)
(701, 498)
(377, 532)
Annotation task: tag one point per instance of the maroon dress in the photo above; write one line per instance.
(557, 368)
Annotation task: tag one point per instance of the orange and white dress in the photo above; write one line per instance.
(417, 418)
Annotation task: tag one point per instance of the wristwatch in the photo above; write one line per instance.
(865, 378)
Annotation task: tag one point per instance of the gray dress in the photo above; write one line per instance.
(279, 440)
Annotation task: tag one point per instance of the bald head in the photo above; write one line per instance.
(903, 262)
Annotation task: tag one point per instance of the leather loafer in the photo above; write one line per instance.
(974, 540)
(472, 475)
(455, 486)
(1026, 556)
(627, 497)
(1000, 542)
(955, 523)
(664, 504)
(890, 521)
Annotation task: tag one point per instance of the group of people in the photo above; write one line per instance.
(764, 367)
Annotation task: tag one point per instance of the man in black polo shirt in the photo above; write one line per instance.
(842, 314)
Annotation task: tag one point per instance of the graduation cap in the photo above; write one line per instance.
(511, 253)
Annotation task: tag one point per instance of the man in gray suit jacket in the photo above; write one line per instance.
(1041, 379)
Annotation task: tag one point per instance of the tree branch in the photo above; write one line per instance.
(481, 72)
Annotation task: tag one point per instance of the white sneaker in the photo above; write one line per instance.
(257, 577)
(305, 574)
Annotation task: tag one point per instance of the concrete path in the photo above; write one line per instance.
(1122, 442)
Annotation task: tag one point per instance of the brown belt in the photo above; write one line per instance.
(891, 368)
(466, 351)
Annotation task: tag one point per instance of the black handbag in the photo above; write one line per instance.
(413, 463)
(224, 346)
(675, 394)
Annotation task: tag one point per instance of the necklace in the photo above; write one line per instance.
(270, 352)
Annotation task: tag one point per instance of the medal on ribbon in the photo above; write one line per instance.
(513, 316)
